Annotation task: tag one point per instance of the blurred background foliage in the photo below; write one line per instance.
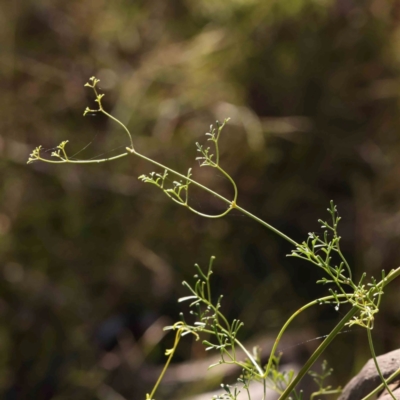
(91, 260)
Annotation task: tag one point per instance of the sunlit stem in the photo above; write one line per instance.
(371, 347)
(121, 124)
(381, 386)
(184, 177)
(69, 161)
(264, 389)
(250, 357)
(171, 355)
(110, 116)
(270, 227)
(235, 362)
(209, 272)
(345, 262)
(288, 322)
(232, 203)
(317, 353)
(393, 274)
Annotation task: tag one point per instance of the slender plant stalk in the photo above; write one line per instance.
(250, 357)
(287, 323)
(270, 227)
(382, 385)
(361, 300)
(391, 276)
(179, 175)
(371, 347)
(318, 352)
(170, 356)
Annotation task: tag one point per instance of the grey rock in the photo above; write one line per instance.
(368, 378)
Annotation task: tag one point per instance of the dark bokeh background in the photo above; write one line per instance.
(91, 259)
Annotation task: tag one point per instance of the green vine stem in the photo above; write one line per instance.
(266, 225)
(364, 302)
(372, 349)
(321, 348)
(170, 353)
(101, 109)
(232, 204)
(382, 385)
(345, 321)
(288, 322)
